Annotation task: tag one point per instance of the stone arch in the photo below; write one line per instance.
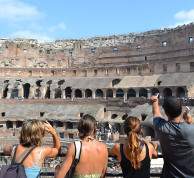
(154, 91)
(14, 93)
(59, 124)
(120, 93)
(167, 92)
(131, 93)
(99, 93)
(58, 93)
(180, 92)
(69, 125)
(88, 93)
(143, 92)
(114, 116)
(109, 93)
(19, 124)
(68, 92)
(9, 124)
(78, 93)
(26, 88)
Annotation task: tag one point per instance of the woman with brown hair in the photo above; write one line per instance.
(32, 134)
(94, 155)
(134, 156)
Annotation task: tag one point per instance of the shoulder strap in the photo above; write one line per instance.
(28, 154)
(78, 147)
(121, 150)
(25, 151)
(14, 155)
(141, 146)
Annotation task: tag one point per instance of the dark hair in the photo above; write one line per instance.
(32, 133)
(172, 106)
(86, 125)
(132, 127)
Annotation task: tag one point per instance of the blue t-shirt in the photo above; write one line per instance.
(177, 143)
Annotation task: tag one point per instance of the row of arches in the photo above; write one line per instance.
(68, 92)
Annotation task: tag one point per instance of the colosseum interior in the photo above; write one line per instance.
(108, 77)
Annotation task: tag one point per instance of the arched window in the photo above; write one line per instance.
(143, 93)
(124, 117)
(109, 93)
(59, 124)
(18, 124)
(9, 124)
(14, 93)
(131, 93)
(26, 90)
(167, 92)
(154, 91)
(99, 93)
(180, 92)
(69, 125)
(68, 92)
(78, 93)
(120, 93)
(88, 93)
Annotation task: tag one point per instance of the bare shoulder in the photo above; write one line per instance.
(150, 146)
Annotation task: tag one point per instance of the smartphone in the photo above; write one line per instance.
(156, 94)
(187, 110)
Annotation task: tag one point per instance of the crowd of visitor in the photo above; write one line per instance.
(89, 157)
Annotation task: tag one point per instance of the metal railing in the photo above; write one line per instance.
(108, 174)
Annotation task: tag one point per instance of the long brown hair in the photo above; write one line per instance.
(132, 127)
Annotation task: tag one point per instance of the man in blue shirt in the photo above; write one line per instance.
(176, 136)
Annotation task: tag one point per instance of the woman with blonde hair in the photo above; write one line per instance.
(134, 156)
(32, 134)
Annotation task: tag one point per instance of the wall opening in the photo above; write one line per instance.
(78, 93)
(26, 88)
(68, 92)
(19, 124)
(9, 124)
(143, 93)
(42, 114)
(99, 93)
(88, 93)
(3, 114)
(120, 93)
(114, 116)
(58, 93)
(180, 92)
(131, 93)
(14, 93)
(109, 93)
(59, 124)
(167, 92)
(69, 125)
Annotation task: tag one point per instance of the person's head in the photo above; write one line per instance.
(132, 127)
(172, 107)
(32, 133)
(87, 126)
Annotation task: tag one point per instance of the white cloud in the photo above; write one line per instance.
(28, 35)
(62, 26)
(183, 17)
(16, 10)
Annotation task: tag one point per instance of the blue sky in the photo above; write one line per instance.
(61, 19)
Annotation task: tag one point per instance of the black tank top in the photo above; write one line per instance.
(129, 171)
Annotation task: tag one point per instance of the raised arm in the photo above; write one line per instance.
(67, 162)
(52, 152)
(155, 107)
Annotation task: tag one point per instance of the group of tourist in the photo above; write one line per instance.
(176, 136)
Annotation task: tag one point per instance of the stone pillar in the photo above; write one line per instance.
(114, 93)
(63, 94)
(137, 93)
(14, 124)
(93, 94)
(83, 94)
(125, 95)
(149, 94)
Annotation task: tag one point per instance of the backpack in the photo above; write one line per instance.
(15, 170)
(78, 147)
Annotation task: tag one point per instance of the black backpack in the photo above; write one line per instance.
(15, 170)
